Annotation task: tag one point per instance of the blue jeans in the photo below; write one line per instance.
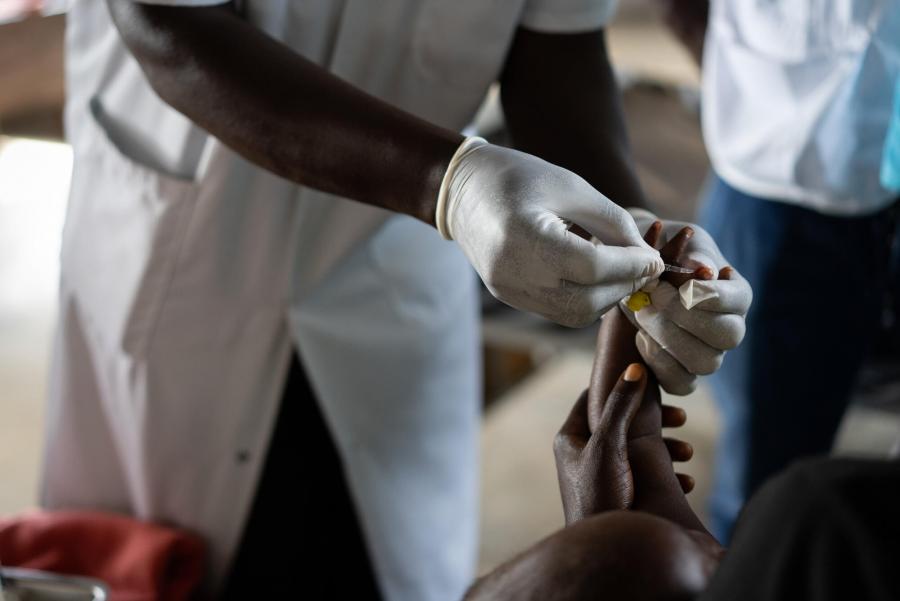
(819, 289)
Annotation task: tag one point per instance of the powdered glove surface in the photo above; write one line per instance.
(685, 332)
(510, 212)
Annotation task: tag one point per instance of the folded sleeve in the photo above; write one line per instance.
(567, 16)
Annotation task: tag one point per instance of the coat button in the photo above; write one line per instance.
(243, 456)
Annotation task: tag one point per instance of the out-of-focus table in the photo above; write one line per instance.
(31, 75)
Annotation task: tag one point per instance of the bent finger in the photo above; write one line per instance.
(687, 482)
(679, 450)
(673, 417)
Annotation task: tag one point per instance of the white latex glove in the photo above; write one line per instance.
(510, 212)
(679, 343)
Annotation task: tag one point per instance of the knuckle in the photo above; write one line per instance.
(562, 445)
(577, 313)
(733, 332)
(679, 386)
(705, 363)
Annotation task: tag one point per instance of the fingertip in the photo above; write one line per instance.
(633, 373)
(652, 235)
(687, 482)
(704, 273)
(674, 248)
(673, 417)
(679, 450)
(726, 272)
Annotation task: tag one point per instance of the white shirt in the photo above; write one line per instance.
(189, 275)
(797, 98)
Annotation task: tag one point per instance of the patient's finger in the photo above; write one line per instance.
(687, 482)
(652, 235)
(674, 248)
(673, 417)
(679, 450)
(673, 254)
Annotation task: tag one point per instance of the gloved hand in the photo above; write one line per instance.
(510, 212)
(677, 343)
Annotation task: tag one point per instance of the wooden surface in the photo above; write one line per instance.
(31, 77)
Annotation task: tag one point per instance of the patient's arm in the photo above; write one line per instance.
(604, 554)
(611, 456)
(657, 488)
(620, 555)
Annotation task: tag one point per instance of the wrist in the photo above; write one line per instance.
(433, 159)
(443, 200)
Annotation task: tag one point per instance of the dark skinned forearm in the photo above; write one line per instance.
(284, 112)
(562, 104)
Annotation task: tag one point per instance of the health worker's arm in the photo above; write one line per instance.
(561, 103)
(509, 211)
(688, 20)
(283, 112)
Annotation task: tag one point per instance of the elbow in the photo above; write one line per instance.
(151, 34)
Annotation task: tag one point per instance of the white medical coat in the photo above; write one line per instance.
(190, 274)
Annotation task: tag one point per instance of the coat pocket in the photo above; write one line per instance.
(124, 226)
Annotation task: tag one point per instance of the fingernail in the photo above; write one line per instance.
(633, 373)
(704, 273)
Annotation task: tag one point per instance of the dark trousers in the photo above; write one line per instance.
(819, 290)
(302, 539)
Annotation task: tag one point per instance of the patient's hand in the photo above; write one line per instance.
(611, 453)
(592, 463)
(592, 460)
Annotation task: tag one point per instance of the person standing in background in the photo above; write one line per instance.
(796, 104)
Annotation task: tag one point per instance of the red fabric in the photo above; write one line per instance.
(139, 561)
